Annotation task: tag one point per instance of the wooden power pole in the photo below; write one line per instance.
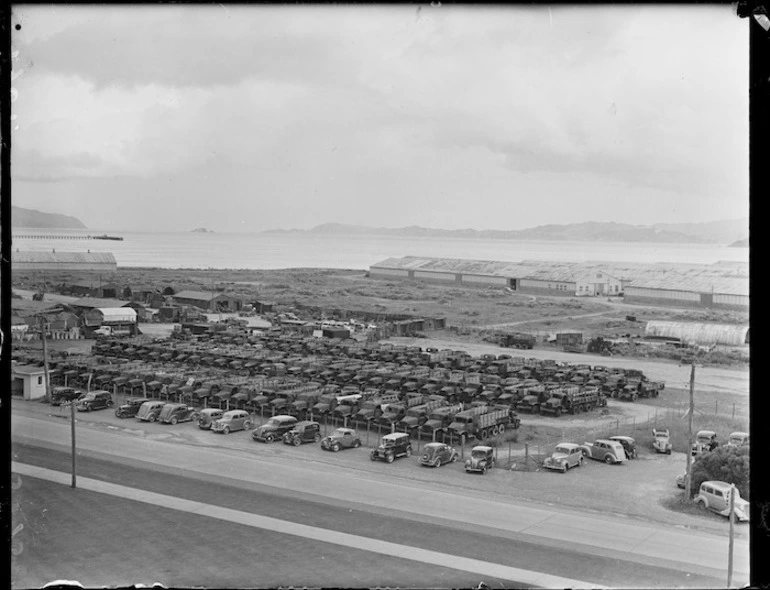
(44, 335)
(691, 411)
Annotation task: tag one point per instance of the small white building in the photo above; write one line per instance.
(28, 381)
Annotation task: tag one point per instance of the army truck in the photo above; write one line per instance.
(438, 420)
(417, 415)
(371, 409)
(533, 399)
(518, 340)
(481, 422)
(572, 400)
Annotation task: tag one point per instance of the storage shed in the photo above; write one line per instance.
(699, 333)
(208, 300)
(28, 381)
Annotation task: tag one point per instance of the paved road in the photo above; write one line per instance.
(663, 546)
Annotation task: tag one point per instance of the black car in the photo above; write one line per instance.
(130, 408)
(61, 395)
(94, 400)
(393, 445)
(303, 432)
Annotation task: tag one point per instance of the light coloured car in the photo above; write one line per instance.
(208, 416)
(341, 438)
(565, 456)
(150, 411)
(609, 451)
(705, 440)
(715, 495)
(232, 421)
(661, 440)
(738, 439)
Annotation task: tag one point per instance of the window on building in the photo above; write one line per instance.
(39, 380)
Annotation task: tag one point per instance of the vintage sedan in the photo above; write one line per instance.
(705, 440)
(274, 429)
(149, 411)
(341, 438)
(93, 400)
(738, 439)
(173, 413)
(303, 432)
(661, 440)
(482, 458)
(715, 495)
(61, 395)
(207, 416)
(629, 445)
(436, 454)
(565, 456)
(609, 451)
(231, 421)
(130, 407)
(392, 446)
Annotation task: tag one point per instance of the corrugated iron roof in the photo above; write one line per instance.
(118, 314)
(197, 295)
(700, 333)
(94, 302)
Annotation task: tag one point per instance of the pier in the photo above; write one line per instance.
(64, 237)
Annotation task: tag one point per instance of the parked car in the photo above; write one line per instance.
(565, 456)
(609, 451)
(661, 440)
(231, 421)
(738, 439)
(61, 395)
(705, 440)
(629, 445)
(482, 458)
(173, 413)
(94, 400)
(341, 438)
(715, 495)
(274, 428)
(392, 446)
(207, 416)
(149, 411)
(680, 479)
(130, 407)
(303, 432)
(436, 454)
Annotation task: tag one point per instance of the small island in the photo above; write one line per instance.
(202, 230)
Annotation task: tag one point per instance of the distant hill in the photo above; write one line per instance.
(716, 232)
(32, 218)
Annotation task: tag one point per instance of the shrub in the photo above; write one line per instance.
(728, 464)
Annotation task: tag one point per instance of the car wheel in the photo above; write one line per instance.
(436, 463)
(317, 437)
(336, 449)
(153, 417)
(226, 430)
(118, 413)
(269, 438)
(608, 459)
(701, 503)
(247, 425)
(356, 443)
(408, 451)
(373, 457)
(580, 462)
(557, 413)
(564, 468)
(88, 408)
(484, 470)
(109, 404)
(585, 452)
(389, 457)
(297, 441)
(668, 452)
(453, 458)
(174, 420)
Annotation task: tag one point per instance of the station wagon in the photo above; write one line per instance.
(609, 451)
(303, 432)
(207, 416)
(231, 421)
(149, 411)
(715, 495)
(565, 456)
(274, 428)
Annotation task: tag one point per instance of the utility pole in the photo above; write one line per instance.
(43, 335)
(730, 550)
(72, 428)
(691, 411)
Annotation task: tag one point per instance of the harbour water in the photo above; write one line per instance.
(307, 250)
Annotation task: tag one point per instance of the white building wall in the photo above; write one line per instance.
(34, 386)
(390, 272)
(662, 294)
(555, 286)
(436, 276)
(738, 300)
(484, 280)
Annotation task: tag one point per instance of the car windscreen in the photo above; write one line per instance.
(561, 450)
(478, 454)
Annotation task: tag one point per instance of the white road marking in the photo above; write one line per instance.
(436, 558)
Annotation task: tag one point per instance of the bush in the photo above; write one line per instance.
(728, 464)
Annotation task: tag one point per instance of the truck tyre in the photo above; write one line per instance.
(501, 429)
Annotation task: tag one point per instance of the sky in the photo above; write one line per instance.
(243, 118)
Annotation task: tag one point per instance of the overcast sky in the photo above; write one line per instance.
(245, 118)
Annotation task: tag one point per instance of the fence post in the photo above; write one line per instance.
(526, 456)
(462, 446)
(509, 452)
(368, 427)
(716, 407)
